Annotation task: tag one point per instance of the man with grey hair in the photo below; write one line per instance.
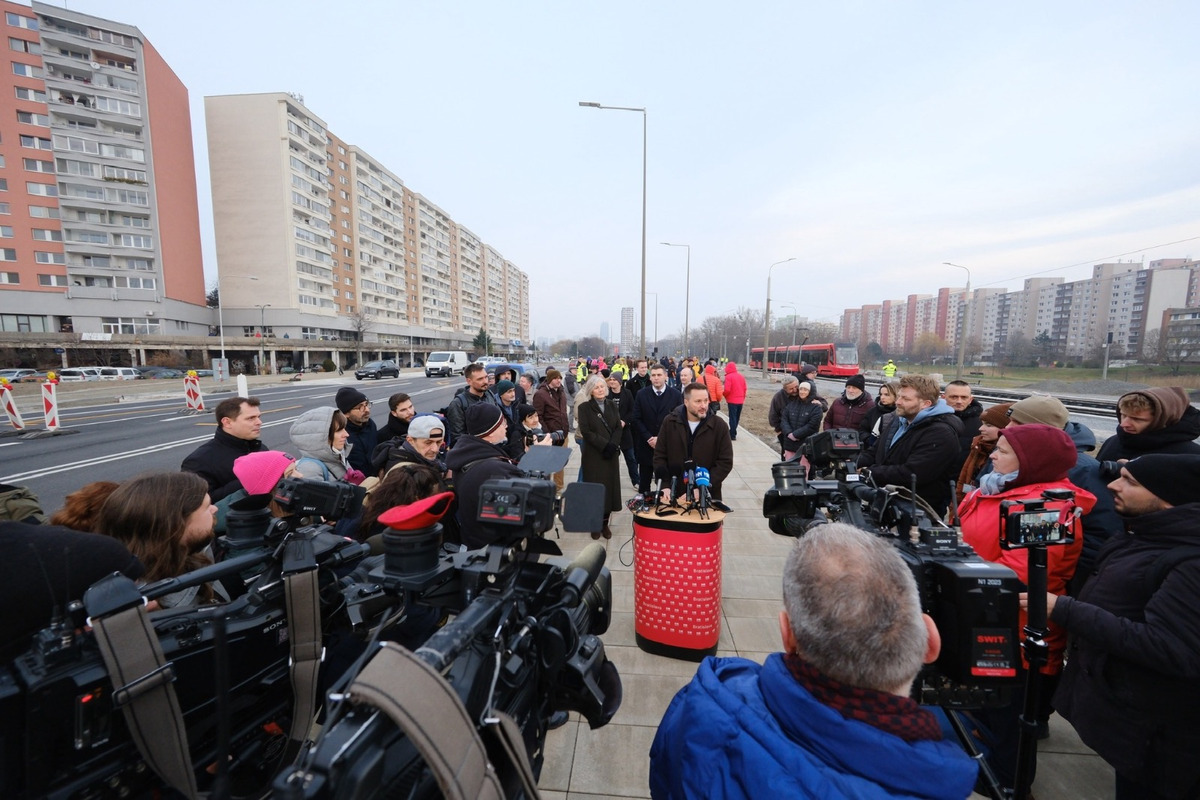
(831, 715)
(786, 394)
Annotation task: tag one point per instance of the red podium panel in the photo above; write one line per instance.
(677, 584)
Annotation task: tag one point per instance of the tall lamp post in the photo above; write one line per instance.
(962, 332)
(262, 335)
(687, 295)
(641, 111)
(767, 319)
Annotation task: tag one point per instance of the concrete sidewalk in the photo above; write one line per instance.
(614, 761)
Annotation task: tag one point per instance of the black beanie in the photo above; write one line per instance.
(857, 381)
(1174, 479)
(348, 397)
(483, 418)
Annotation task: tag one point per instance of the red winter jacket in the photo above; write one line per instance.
(980, 518)
(735, 385)
(716, 392)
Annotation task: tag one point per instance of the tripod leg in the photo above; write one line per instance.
(994, 789)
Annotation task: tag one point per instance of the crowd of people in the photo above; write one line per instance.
(1123, 638)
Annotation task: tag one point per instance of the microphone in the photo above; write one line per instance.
(663, 472)
(689, 478)
(704, 484)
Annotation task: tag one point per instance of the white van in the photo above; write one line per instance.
(119, 374)
(446, 363)
(72, 374)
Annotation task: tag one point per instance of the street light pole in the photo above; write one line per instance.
(642, 111)
(262, 334)
(766, 321)
(687, 295)
(962, 334)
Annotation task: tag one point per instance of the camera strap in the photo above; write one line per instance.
(143, 690)
(304, 636)
(426, 708)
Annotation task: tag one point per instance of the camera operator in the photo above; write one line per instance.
(1131, 687)
(690, 433)
(1028, 460)
(477, 457)
(921, 443)
(831, 715)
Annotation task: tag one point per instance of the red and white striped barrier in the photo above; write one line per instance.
(10, 406)
(50, 404)
(191, 390)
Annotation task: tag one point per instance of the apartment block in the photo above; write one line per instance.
(317, 239)
(1124, 300)
(629, 343)
(99, 226)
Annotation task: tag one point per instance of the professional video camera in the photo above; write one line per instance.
(523, 646)
(972, 601)
(63, 729)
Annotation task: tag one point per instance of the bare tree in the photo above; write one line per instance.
(361, 322)
(1153, 346)
(927, 346)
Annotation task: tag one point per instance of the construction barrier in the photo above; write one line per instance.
(50, 402)
(10, 406)
(191, 390)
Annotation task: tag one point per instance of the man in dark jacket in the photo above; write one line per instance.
(968, 410)
(830, 716)
(922, 442)
(1159, 420)
(786, 394)
(692, 434)
(640, 379)
(476, 391)
(618, 394)
(550, 402)
(850, 410)
(650, 408)
(1131, 687)
(363, 433)
(238, 424)
(422, 445)
(477, 457)
(400, 412)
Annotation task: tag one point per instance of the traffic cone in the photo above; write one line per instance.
(10, 406)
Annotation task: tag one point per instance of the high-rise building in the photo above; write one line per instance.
(318, 239)
(99, 227)
(628, 340)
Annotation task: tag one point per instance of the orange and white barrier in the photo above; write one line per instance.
(50, 402)
(10, 406)
(191, 390)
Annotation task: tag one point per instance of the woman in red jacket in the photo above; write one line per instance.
(1027, 460)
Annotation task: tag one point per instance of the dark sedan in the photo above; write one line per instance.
(377, 369)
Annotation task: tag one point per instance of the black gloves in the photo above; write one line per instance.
(609, 450)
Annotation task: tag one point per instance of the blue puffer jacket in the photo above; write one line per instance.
(741, 730)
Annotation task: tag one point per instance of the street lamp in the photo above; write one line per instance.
(642, 111)
(646, 355)
(687, 294)
(767, 319)
(962, 335)
(262, 335)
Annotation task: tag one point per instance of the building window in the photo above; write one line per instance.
(136, 240)
(47, 235)
(26, 70)
(43, 257)
(17, 21)
(8, 254)
(97, 261)
(129, 325)
(36, 95)
(43, 189)
(36, 165)
(43, 212)
(5, 208)
(52, 280)
(36, 143)
(30, 118)
(6, 232)
(9, 277)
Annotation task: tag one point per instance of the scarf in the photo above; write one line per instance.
(890, 713)
(995, 482)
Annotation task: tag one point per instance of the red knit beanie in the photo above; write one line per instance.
(1045, 453)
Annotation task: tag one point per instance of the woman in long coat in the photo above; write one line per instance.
(598, 421)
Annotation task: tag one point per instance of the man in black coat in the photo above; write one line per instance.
(400, 412)
(922, 442)
(476, 457)
(650, 407)
(968, 410)
(363, 433)
(238, 424)
(706, 445)
(1131, 687)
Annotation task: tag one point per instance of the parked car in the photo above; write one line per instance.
(119, 374)
(36, 377)
(16, 374)
(75, 374)
(377, 369)
(159, 373)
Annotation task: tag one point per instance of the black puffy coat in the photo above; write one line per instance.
(214, 459)
(800, 419)
(928, 450)
(1131, 688)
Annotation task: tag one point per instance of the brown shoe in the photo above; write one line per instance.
(606, 532)
(596, 534)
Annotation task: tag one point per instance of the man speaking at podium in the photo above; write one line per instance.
(690, 434)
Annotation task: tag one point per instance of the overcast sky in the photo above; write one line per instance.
(869, 140)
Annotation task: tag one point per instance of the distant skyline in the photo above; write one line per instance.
(871, 141)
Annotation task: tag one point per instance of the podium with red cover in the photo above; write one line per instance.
(677, 583)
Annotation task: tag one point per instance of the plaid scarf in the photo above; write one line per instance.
(899, 716)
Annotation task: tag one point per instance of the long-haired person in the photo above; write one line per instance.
(166, 519)
(598, 420)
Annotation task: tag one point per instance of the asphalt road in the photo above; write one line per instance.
(116, 441)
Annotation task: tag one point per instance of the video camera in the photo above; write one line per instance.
(525, 642)
(972, 601)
